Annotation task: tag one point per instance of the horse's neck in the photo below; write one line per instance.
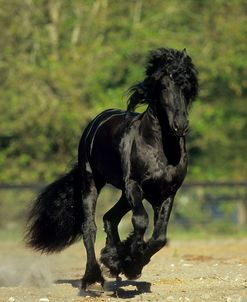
(150, 127)
(155, 129)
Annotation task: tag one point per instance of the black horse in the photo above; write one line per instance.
(144, 155)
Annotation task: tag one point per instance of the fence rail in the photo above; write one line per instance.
(223, 204)
(37, 186)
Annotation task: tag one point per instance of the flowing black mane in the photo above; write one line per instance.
(176, 64)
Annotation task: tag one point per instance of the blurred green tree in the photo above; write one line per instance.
(62, 62)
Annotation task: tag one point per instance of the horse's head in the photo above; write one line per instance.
(174, 104)
(170, 84)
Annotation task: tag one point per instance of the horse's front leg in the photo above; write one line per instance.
(93, 273)
(134, 245)
(159, 236)
(110, 253)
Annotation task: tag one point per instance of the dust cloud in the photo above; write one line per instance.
(25, 271)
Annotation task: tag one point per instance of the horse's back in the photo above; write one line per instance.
(102, 138)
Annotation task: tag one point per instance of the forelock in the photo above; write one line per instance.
(177, 64)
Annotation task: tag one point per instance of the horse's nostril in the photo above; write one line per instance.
(175, 126)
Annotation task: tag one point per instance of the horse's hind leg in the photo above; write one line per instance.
(93, 272)
(110, 253)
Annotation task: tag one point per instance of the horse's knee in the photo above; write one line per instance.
(133, 191)
(109, 224)
(134, 196)
(140, 220)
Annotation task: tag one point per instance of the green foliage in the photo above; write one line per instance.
(62, 62)
(197, 212)
(13, 208)
(206, 210)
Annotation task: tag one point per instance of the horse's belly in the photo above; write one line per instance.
(108, 165)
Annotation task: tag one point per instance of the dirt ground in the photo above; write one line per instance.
(213, 270)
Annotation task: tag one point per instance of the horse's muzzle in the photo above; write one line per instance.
(180, 130)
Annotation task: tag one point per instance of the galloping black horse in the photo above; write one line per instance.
(144, 155)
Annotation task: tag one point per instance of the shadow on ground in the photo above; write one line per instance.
(122, 289)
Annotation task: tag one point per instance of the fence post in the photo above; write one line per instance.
(242, 212)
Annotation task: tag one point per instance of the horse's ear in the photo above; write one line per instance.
(184, 53)
(191, 74)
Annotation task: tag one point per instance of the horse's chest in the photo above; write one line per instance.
(161, 188)
(150, 167)
(158, 178)
(146, 162)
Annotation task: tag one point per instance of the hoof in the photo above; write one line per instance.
(93, 282)
(92, 275)
(132, 268)
(110, 259)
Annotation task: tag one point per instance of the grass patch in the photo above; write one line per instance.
(181, 234)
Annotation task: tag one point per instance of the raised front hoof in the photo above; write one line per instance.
(133, 247)
(131, 254)
(132, 269)
(111, 265)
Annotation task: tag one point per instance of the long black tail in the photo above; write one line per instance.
(55, 219)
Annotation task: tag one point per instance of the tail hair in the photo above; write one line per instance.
(55, 219)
